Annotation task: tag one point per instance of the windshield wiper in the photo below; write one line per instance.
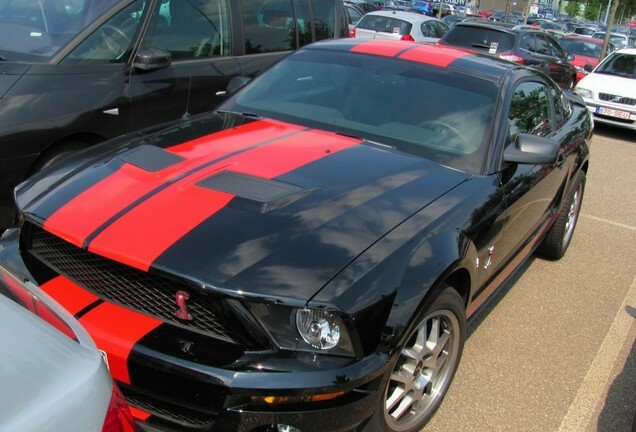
(244, 114)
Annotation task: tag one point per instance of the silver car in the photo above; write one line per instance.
(400, 25)
(53, 377)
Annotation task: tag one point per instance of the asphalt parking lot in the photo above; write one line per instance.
(556, 350)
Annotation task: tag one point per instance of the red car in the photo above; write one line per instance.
(585, 51)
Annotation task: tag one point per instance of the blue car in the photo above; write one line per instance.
(423, 7)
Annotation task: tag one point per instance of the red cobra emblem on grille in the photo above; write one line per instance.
(181, 297)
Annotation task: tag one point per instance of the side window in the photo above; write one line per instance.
(112, 40)
(441, 28)
(428, 29)
(542, 46)
(272, 26)
(529, 111)
(562, 108)
(557, 51)
(527, 43)
(353, 15)
(190, 29)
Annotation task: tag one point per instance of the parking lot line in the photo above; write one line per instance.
(594, 387)
(609, 222)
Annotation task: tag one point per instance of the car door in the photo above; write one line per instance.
(530, 189)
(193, 33)
(560, 67)
(196, 34)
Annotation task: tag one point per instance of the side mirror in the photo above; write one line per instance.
(235, 84)
(570, 57)
(533, 150)
(150, 58)
(588, 67)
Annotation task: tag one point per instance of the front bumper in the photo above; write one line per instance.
(173, 384)
(611, 117)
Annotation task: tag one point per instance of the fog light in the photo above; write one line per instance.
(286, 428)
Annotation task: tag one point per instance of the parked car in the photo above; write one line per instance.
(586, 51)
(307, 255)
(400, 25)
(354, 13)
(424, 7)
(76, 72)
(586, 31)
(447, 9)
(619, 39)
(519, 44)
(513, 17)
(53, 378)
(610, 90)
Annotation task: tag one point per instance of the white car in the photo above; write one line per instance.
(610, 90)
(400, 25)
(53, 378)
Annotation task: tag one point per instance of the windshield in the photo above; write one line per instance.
(41, 27)
(434, 113)
(620, 64)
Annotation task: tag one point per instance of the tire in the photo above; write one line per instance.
(56, 154)
(425, 367)
(557, 240)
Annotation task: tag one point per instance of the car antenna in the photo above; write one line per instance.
(186, 115)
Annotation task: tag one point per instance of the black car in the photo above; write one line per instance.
(306, 257)
(519, 44)
(77, 72)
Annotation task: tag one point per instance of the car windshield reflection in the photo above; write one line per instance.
(423, 110)
(42, 27)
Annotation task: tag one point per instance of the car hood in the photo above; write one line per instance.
(612, 84)
(257, 207)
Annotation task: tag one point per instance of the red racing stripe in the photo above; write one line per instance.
(387, 48)
(116, 330)
(435, 55)
(67, 293)
(89, 210)
(148, 230)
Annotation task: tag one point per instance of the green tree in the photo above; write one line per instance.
(573, 8)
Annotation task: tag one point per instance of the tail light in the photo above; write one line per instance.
(352, 33)
(118, 417)
(407, 37)
(512, 57)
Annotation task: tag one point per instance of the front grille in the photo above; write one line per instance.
(183, 417)
(134, 289)
(617, 99)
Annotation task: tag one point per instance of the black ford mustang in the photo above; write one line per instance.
(306, 257)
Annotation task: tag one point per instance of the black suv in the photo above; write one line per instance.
(519, 44)
(77, 72)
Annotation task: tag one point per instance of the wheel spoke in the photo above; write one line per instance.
(404, 406)
(396, 396)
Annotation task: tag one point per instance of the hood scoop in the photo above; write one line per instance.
(150, 158)
(254, 193)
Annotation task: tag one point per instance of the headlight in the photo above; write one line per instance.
(319, 328)
(584, 93)
(316, 330)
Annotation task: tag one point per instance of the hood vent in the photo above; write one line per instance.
(150, 158)
(254, 193)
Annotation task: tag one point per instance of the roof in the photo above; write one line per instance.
(411, 17)
(457, 59)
